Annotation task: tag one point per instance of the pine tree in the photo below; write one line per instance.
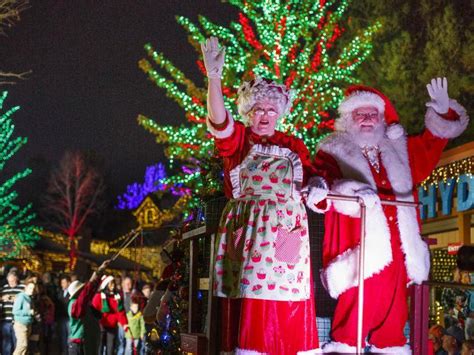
(295, 42)
(419, 40)
(16, 229)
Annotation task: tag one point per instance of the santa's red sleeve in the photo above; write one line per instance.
(326, 167)
(424, 150)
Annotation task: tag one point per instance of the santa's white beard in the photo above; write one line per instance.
(366, 138)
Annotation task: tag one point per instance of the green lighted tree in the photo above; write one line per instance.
(294, 42)
(419, 40)
(16, 229)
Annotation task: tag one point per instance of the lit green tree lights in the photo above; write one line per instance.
(16, 229)
(290, 41)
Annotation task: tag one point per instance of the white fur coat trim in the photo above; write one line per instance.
(339, 348)
(353, 165)
(247, 352)
(253, 352)
(343, 272)
(224, 133)
(348, 188)
(317, 190)
(444, 128)
(310, 352)
(400, 350)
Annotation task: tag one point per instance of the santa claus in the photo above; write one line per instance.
(371, 156)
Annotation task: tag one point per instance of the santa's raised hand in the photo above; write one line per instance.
(214, 57)
(438, 91)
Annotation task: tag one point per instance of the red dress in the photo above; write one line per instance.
(260, 323)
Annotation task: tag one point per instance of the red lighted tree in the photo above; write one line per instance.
(73, 196)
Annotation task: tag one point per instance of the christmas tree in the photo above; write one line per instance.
(16, 230)
(294, 42)
(165, 338)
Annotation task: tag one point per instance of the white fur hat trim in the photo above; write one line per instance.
(105, 281)
(359, 99)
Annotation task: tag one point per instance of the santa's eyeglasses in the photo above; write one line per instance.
(366, 116)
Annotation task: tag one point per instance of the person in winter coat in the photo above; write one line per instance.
(23, 315)
(80, 297)
(135, 335)
(109, 303)
(370, 156)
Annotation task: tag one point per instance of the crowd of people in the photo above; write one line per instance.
(49, 313)
(455, 334)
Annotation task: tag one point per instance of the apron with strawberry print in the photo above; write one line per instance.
(263, 246)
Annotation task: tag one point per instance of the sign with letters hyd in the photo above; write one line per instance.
(464, 196)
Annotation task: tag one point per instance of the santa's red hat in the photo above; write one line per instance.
(360, 95)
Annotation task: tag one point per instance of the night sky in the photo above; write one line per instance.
(86, 89)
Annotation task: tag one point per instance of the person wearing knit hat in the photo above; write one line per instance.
(262, 274)
(109, 303)
(370, 156)
(80, 297)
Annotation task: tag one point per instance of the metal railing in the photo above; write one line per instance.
(420, 294)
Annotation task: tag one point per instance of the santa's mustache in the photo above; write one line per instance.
(366, 138)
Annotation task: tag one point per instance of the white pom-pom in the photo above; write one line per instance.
(395, 131)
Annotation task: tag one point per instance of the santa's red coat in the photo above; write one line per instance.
(406, 161)
(395, 252)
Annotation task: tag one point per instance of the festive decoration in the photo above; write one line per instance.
(16, 229)
(137, 192)
(73, 196)
(442, 265)
(293, 42)
(149, 217)
(172, 319)
(453, 170)
(10, 11)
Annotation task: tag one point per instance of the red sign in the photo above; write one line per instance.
(453, 248)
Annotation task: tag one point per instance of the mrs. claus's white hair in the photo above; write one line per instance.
(259, 89)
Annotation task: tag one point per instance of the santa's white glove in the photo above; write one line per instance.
(214, 57)
(317, 191)
(438, 91)
(369, 196)
(353, 188)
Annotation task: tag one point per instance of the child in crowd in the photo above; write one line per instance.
(135, 335)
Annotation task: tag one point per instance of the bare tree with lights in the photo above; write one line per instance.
(73, 196)
(10, 14)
